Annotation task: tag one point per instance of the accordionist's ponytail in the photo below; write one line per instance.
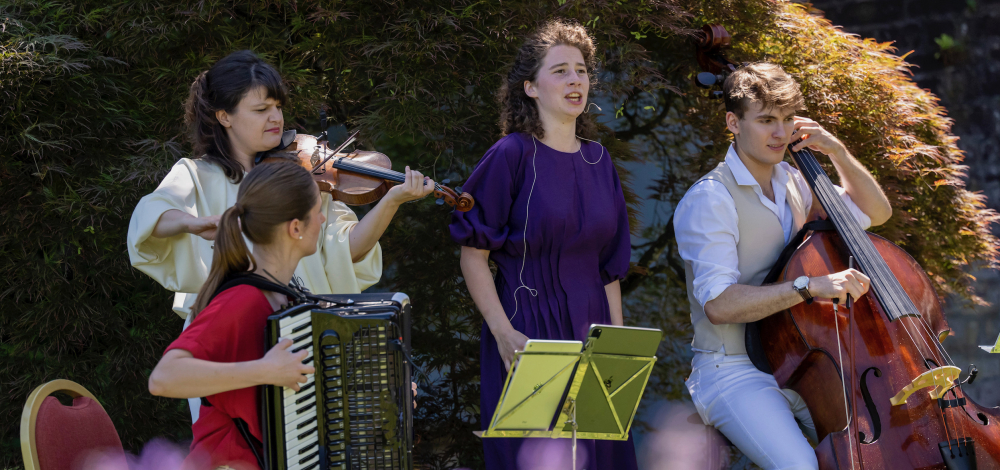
(270, 195)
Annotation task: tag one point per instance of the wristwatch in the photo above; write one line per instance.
(801, 285)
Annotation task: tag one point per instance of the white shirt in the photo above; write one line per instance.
(181, 263)
(706, 223)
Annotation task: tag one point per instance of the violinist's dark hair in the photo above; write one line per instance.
(518, 111)
(764, 83)
(271, 194)
(221, 88)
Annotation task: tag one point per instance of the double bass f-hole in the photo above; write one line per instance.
(876, 426)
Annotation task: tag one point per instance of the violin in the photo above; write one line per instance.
(880, 386)
(355, 178)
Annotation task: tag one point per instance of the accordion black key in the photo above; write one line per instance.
(356, 411)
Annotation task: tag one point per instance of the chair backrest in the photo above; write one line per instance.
(59, 437)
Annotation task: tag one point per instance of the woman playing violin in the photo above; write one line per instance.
(234, 111)
(551, 214)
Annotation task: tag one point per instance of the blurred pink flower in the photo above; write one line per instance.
(158, 454)
(549, 454)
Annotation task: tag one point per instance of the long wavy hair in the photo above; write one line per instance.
(221, 88)
(518, 111)
(271, 194)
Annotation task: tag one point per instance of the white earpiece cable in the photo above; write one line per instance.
(524, 235)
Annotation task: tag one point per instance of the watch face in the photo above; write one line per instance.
(801, 282)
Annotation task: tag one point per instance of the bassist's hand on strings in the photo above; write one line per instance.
(839, 285)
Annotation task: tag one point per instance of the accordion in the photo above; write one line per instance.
(356, 411)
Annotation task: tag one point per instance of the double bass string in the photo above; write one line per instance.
(851, 232)
(885, 285)
(859, 242)
(886, 282)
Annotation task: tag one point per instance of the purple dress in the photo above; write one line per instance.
(577, 241)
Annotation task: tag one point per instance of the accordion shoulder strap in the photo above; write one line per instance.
(257, 281)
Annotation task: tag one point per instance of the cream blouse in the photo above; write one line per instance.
(181, 263)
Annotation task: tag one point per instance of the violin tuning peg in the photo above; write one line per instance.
(439, 201)
(458, 189)
(446, 181)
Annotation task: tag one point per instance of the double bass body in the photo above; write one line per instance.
(801, 345)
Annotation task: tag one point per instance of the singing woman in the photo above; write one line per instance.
(551, 215)
(221, 355)
(233, 112)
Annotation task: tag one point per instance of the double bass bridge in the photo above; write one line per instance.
(941, 378)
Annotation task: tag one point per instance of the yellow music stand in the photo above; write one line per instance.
(557, 390)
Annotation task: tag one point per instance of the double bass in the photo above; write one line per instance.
(882, 389)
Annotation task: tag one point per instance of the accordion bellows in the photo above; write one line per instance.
(355, 412)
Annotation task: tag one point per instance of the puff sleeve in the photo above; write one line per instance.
(492, 186)
(179, 263)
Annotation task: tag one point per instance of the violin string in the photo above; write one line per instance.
(376, 171)
(871, 262)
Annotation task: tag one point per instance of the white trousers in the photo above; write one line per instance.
(747, 406)
(193, 403)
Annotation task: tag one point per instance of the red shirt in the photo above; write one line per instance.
(229, 329)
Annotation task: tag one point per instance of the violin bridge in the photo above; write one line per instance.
(315, 157)
(941, 378)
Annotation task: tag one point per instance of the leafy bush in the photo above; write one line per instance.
(91, 113)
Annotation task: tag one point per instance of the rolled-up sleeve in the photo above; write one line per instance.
(706, 230)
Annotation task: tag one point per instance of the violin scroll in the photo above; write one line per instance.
(461, 202)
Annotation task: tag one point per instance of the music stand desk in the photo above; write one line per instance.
(565, 389)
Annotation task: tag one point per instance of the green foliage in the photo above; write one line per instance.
(91, 112)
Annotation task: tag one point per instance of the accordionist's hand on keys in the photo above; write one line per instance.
(285, 368)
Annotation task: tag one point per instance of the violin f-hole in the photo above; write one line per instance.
(872, 410)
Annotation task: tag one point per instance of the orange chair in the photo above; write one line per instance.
(59, 437)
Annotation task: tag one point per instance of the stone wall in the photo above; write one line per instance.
(964, 74)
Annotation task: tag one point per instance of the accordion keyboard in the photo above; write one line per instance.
(301, 426)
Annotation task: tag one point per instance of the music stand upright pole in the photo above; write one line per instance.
(572, 422)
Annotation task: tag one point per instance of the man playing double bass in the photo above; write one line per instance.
(731, 226)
